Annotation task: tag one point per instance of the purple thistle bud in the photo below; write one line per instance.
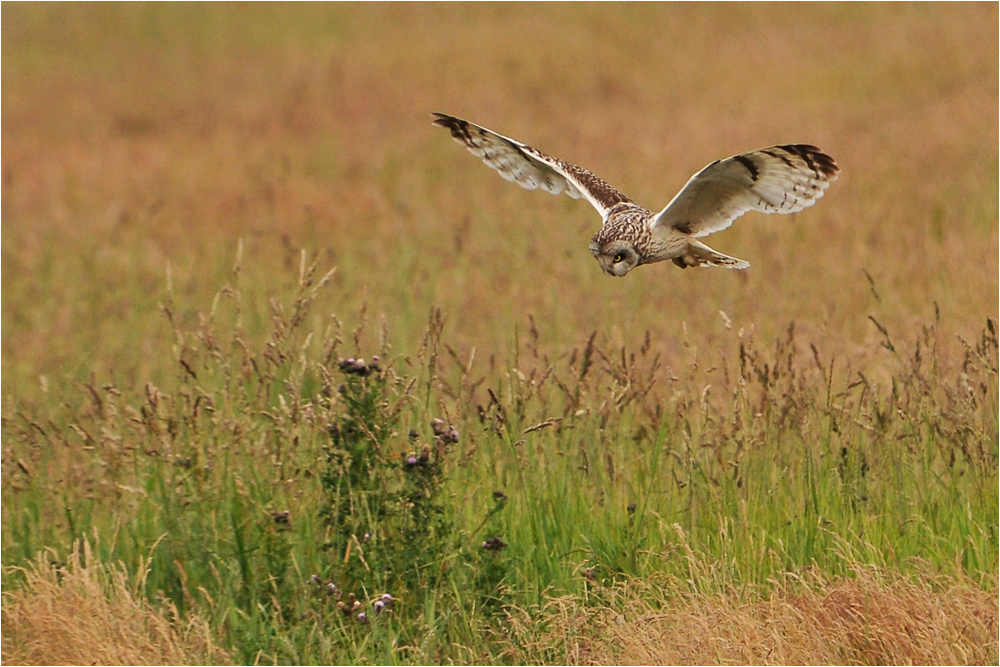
(437, 425)
(378, 605)
(362, 618)
(411, 460)
(451, 435)
(387, 598)
(366, 537)
(331, 588)
(494, 543)
(316, 579)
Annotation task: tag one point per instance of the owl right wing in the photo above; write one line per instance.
(529, 167)
(779, 179)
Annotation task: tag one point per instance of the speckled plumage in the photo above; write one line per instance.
(778, 179)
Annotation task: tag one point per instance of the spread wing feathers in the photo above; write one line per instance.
(529, 167)
(779, 179)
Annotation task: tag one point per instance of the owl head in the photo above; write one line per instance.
(616, 257)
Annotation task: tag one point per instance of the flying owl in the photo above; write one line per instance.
(779, 179)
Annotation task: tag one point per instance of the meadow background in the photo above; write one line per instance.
(792, 464)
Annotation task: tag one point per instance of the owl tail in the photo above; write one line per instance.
(699, 254)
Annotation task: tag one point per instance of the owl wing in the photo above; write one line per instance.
(529, 167)
(779, 179)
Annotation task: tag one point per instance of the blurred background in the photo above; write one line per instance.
(142, 137)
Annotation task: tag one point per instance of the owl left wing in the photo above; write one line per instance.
(529, 167)
(779, 179)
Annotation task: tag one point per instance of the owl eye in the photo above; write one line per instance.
(620, 257)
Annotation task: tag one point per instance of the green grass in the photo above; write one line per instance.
(773, 468)
(172, 336)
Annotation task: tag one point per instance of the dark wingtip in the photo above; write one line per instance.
(459, 128)
(815, 158)
(443, 119)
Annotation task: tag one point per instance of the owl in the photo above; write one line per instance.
(779, 179)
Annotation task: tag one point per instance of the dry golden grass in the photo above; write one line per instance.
(140, 136)
(145, 139)
(870, 619)
(88, 613)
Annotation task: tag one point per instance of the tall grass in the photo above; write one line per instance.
(82, 610)
(867, 619)
(269, 474)
(536, 444)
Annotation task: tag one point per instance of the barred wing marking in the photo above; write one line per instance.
(529, 167)
(779, 179)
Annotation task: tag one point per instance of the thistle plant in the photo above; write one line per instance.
(390, 525)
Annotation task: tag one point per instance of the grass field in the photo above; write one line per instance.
(206, 208)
